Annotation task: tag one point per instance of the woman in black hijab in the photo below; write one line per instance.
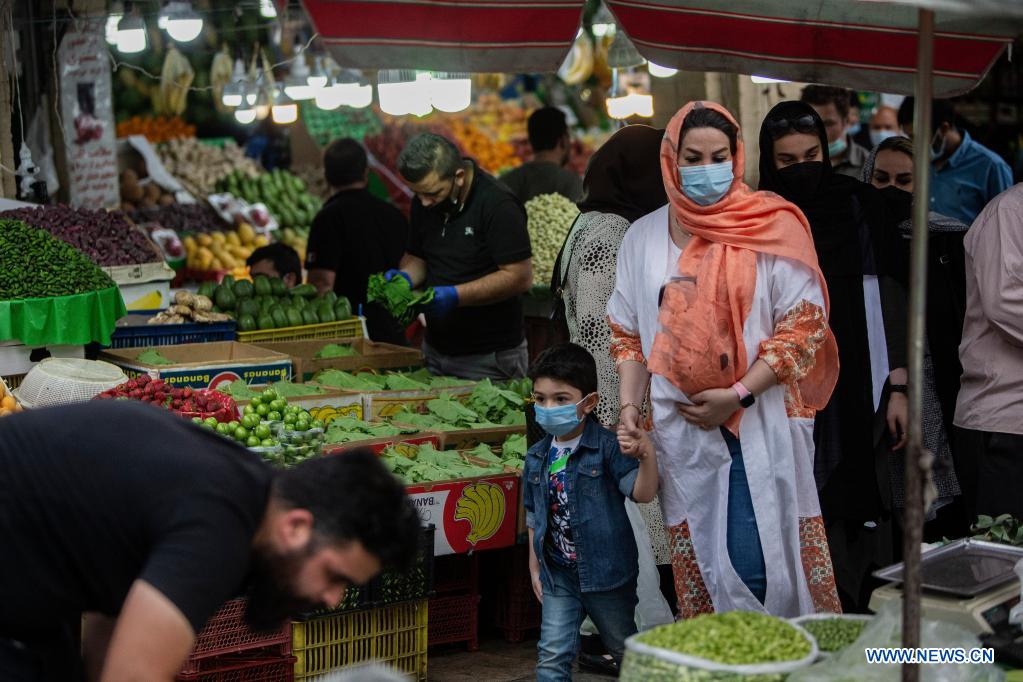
(856, 434)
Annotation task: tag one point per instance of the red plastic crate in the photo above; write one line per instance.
(455, 619)
(227, 633)
(516, 609)
(245, 668)
(456, 573)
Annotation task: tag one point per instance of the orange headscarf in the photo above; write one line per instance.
(700, 345)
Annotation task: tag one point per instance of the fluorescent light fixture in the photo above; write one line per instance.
(762, 80)
(131, 34)
(234, 91)
(262, 106)
(403, 92)
(296, 84)
(450, 92)
(318, 77)
(284, 110)
(632, 104)
(603, 22)
(245, 115)
(113, 19)
(658, 71)
(183, 24)
(267, 9)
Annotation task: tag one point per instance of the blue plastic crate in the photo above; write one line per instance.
(134, 332)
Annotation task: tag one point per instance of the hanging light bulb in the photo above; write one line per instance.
(262, 105)
(330, 97)
(284, 110)
(629, 96)
(403, 92)
(235, 90)
(603, 22)
(267, 9)
(318, 76)
(296, 84)
(182, 23)
(245, 114)
(356, 92)
(131, 34)
(450, 92)
(113, 19)
(658, 71)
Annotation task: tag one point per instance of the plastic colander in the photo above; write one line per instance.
(63, 381)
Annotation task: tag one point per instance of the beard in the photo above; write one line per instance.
(272, 597)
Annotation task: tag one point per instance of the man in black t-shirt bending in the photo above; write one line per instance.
(145, 524)
(468, 240)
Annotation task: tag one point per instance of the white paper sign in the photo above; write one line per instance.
(86, 108)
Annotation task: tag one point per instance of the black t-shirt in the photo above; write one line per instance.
(356, 235)
(97, 495)
(489, 231)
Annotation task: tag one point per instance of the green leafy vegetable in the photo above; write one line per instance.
(335, 350)
(833, 634)
(345, 381)
(451, 411)
(400, 382)
(151, 356)
(492, 403)
(397, 297)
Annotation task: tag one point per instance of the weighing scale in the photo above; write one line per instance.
(971, 583)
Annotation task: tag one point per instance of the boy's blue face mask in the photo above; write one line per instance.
(561, 420)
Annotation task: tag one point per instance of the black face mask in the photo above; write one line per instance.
(900, 203)
(801, 180)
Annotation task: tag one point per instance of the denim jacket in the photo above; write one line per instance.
(597, 479)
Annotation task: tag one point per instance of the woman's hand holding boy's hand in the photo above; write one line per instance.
(634, 442)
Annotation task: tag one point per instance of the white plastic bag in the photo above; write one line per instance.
(886, 631)
(1016, 614)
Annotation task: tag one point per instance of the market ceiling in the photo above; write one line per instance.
(863, 44)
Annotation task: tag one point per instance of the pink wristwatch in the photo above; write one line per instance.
(746, 398)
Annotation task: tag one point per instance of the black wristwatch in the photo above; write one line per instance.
(746, 399)
(899, 388)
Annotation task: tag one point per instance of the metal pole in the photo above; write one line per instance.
(914, 511)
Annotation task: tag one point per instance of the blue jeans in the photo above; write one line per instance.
(744, 549)
(565, 606)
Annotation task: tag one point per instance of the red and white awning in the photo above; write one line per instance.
(477, 36)
(862, 44)
(857, 44)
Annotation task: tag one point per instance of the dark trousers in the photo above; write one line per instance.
(990, 470)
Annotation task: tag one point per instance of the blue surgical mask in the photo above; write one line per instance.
(838, 147)
(559, 421)
(855, 129)
(706, 185)
(879, 136)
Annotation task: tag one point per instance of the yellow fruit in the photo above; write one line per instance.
(205, 258)
(216, 264)
(204, 239)
(8, 402)
(218, 238)
(233, 239)
(189, 243)
(246, 233)
(261, 241)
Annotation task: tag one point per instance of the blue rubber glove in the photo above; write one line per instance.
(393, 272)
(445, 299)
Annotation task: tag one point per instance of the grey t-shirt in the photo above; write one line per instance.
(534, 178)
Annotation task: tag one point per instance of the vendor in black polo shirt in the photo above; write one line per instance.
(469, 241)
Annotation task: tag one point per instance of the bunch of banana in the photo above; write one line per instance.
(327, 413)
(175, 79)
(221, 71)
(482, 505)
(578, 65)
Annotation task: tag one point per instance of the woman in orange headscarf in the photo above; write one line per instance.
(719, 319)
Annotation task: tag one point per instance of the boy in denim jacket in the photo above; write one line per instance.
(582, 554)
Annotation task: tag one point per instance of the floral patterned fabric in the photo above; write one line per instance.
(791, 352)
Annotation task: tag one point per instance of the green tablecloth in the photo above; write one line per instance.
(64, 320)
